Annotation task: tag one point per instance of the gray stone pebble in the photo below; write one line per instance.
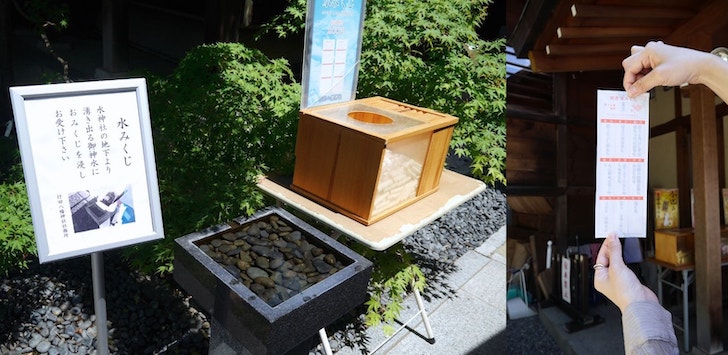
(49, 309)
(43, 346)
(279, 261)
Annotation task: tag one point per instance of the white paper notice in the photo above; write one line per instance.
(622, 141)
(566, 279)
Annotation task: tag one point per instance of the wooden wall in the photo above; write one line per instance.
(551, 158)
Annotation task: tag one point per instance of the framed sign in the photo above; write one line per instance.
(89, 166)
(332, 50)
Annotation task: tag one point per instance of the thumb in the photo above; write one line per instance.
(615, 250)
(644, 84)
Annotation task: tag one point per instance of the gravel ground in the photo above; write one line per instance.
(48, 309)
(528, 336)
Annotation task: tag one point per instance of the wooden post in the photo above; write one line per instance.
(115, 35)
(562, 158)
(683, 165)
(721, 165)
(222, 20)
(6, 67)
(709, 307)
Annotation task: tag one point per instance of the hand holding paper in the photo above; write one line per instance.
(622, 141)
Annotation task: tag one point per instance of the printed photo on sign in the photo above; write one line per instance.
(101, 209)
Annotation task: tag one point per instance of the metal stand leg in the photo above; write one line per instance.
(425, 319)
(97, 275)
(421, 312)
(325, 341)
(684, 286)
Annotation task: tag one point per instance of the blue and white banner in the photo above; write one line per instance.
(332, 51)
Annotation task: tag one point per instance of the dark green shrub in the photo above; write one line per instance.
(17, 240)
(10, 168)
(427, 53)
(393, 277)
(226, 115)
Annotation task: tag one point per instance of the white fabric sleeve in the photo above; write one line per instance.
(648, 329)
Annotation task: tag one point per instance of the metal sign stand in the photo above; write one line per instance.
(97, 274)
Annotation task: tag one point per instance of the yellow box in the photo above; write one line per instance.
(371, 157)
(675, 246)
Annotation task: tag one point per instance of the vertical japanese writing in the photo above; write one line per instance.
(61, 133)
(91, 142)
(104, 136)
(62, 211)
(92, 146)
(80, 162)
(124, 139)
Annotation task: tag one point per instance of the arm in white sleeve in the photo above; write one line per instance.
(648, 329)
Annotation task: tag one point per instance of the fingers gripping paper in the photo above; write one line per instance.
(622, 141)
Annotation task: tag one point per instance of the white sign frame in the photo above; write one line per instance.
(71, 155)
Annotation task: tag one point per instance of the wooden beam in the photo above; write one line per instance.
(530, 25)
(671, 126)
(529, 204)
(528, 113)
(559, 14)
(585, 49)
(635, 12)
(709, 306)
(710, 19)
(534, 191)
(542, 62)
(684, 121)
(612, 32)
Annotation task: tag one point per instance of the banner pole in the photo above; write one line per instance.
(97, 274)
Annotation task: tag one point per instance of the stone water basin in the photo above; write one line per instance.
(271, 279)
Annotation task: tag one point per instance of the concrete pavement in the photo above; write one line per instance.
(472, 321)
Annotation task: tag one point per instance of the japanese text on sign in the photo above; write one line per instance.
(86, 140)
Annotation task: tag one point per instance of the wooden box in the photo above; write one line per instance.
(675, 246)
(369, 158)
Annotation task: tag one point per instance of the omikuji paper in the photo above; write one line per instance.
(622, 141)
